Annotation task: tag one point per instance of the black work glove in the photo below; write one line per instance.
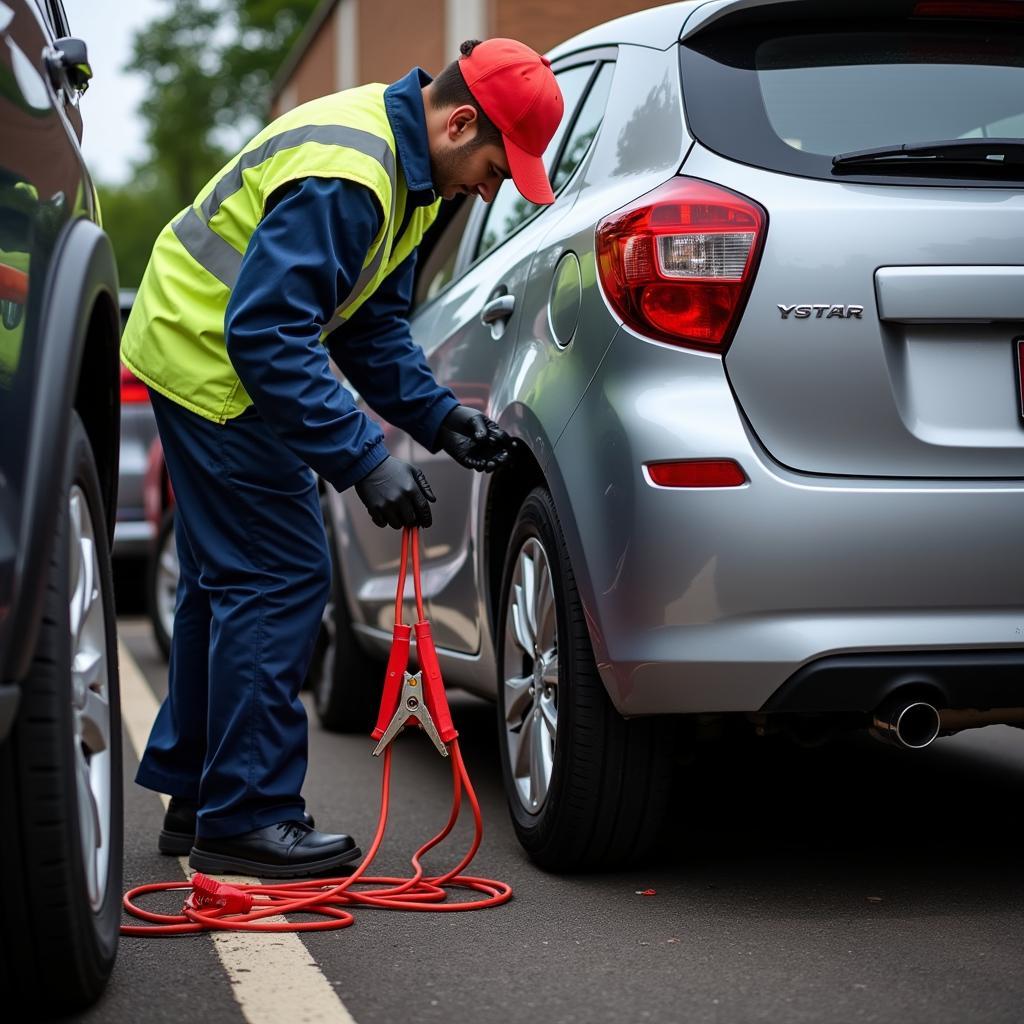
(473, 440)
(396, 494)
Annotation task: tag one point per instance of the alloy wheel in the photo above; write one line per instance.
(530, 674)
(90, 698)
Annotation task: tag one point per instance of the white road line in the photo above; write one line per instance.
(273, 977)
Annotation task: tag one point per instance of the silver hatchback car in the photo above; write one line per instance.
(763, 361)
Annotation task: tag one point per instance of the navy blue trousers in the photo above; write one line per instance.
(232, 733)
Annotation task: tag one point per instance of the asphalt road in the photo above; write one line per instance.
(847, 883)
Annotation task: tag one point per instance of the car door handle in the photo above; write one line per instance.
(498, 309)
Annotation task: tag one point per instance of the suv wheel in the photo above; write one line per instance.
(346, 682)
(61, 799)
(585, 787)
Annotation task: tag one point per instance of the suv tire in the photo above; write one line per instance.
(608, 779)
(58, 942)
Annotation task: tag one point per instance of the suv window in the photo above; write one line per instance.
(510, 210)
(792, 97)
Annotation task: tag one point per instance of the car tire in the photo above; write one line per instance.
(61, 776)
(162, 582)
(607, 783)
(346, 682)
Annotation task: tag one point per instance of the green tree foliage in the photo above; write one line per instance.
(133, 215)
(179, 59)
(264, 33)
(209, 64)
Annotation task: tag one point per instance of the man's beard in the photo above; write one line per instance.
(446, 169)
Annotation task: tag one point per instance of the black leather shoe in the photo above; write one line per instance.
(289, 849)
(178, 835)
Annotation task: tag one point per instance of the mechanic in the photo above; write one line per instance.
(304, 244)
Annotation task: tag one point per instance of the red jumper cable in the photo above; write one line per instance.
(407, 700)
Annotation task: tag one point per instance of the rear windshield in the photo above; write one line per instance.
(791, 97)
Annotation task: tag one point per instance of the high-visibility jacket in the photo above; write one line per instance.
(174, 338)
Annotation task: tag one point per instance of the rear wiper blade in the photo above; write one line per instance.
(992, 154)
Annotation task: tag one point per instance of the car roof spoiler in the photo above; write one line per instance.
(737, 13)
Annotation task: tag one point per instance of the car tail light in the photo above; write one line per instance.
(980, 9)
(678, 263)
(132, 389)
(696, 473)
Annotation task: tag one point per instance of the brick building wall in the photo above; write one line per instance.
(543, 24)
(316, 73)
(352, 41)
(394, 35)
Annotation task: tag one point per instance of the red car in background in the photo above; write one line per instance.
(133, 535)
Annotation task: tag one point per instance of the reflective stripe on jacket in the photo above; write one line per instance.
(174, 338)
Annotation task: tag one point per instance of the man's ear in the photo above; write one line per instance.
(462, 123)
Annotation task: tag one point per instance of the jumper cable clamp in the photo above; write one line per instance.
(410, 711)
(418, 699)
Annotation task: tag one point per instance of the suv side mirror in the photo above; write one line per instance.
(70, 59)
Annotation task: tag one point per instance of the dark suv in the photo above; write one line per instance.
(60, 728)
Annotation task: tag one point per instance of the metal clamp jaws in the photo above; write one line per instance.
(411, 710)
(419, 699)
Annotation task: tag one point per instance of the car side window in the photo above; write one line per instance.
(509, 209)
(583, 131)
(573, 82)
(439, 266)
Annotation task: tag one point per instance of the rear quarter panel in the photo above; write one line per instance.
(641, 144)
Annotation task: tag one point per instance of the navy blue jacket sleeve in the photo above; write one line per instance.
(301, 262)
(376, 353)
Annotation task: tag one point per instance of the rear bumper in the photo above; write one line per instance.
(862, 682)
(710, 600)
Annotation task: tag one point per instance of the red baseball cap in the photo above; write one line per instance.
(516, 89)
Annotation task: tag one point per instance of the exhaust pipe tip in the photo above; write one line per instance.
(914, 725)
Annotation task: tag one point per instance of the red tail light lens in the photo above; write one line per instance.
(678, 263)
(132, 389)
(697, 473)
